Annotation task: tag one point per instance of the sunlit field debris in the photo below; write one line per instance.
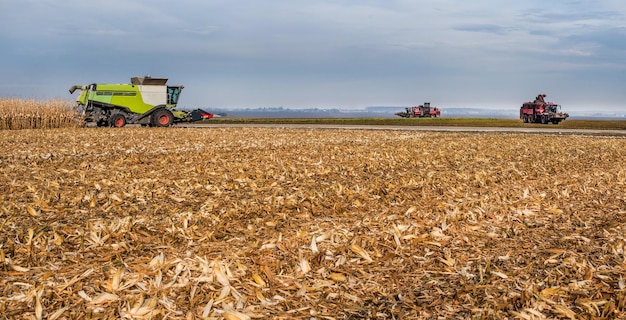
(240, 223)
(37, 114)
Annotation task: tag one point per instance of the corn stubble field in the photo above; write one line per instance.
(246, 223)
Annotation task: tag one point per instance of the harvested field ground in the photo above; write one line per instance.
(242, 223)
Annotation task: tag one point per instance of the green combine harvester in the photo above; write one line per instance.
(146, 101)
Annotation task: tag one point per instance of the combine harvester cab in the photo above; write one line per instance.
(146, 101)
(421, 111)
(540, 111)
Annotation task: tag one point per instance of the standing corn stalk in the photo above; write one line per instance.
(37, 114)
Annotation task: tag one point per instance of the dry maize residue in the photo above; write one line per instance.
(245, 223)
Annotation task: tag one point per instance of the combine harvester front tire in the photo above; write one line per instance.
(162, 118)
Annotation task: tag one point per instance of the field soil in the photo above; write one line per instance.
(430, 122)
(244, 223)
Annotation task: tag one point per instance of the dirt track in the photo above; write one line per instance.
(546, 130)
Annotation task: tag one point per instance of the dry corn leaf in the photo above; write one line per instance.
(57, 314)
(549, 292)
(141, 308)
(258, 280)
(358, 250)
(114, 283)
(555, 210)
(220, 274)
(231, 314)
(104, 298)
(314, 245)
(304, 266)
(18, 268)
(448, 261)
(338, 277)
(32, 212)
(565, 311)
(207, 309)
(38, 306)
(499, 274)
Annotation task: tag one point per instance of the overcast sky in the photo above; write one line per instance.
(323, 53)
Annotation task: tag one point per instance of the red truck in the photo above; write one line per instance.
(422, 111)
(540, 111)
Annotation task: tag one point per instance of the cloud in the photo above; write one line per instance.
(202, 30)
(352, 51)
(484, 28)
